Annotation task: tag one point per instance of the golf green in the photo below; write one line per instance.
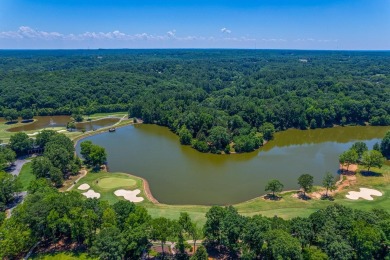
(112, 182)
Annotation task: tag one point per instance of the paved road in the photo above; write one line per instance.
(17, 166)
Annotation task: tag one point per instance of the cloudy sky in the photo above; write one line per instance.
(271, 24)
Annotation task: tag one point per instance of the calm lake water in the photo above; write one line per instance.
(181, 175)
(42, 122)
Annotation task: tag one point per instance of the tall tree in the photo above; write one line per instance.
(385, 145)
(372, 158)
(9, 186)
(162, 229)
(20, 143)
(98, 155)
(41, 167)
(305, 181)
(200, 254)
(7, 157)
(329, 183)
(282, 245)
(360, 148)
(185, 135)
(348, 157)
(10, 115)
(274, 186)
(268, 130)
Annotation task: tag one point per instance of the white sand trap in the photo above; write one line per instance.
(364, 193)
(129, 195)
(60, 131)
(33, 134)
(83, 187)
(91, 194)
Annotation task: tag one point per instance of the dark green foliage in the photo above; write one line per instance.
(268, 131)
(20, 143)
(372, 158)
(202, 89)
(85, 150)
(93, 154)
(10, 115)
(27, 114)
(360, 148)
(274, 186)
(108, 244)
(7, 157)
(385, 145)
(201, 146)
(254, 232)
(247, 143)
(305, 181)
(185, 136)
(349, 157)
(41, 167)
(376, 147)
(281, 245)
(43, 137)
(329, 182)
(9, 186)
(200, 254)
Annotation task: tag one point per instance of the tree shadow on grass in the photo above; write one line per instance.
(327, 197)
(303, 196)
(371, 174)
(11, 122)
(272, 197)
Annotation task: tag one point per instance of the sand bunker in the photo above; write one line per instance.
(129, 195)
(84, 187)
(364, 193)
(91, 194)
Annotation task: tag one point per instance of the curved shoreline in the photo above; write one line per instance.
(146, 185)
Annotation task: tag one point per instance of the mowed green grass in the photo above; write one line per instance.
(113, 182)
(26, 176)
(61, 256)
(288, 207)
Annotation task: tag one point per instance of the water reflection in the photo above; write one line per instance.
(180, 175)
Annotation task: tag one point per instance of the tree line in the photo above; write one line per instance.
(126, 231)
(218, 101)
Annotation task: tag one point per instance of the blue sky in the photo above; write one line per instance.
(270, 24)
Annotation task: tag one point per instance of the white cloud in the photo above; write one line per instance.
(25, 32)
(171, 34)
(225, 30)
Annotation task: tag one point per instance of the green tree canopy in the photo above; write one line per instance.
(274, 186)
(9, 186)
(329, 183)
(348, 157)
(372, 158)
(305, 181)
(20, 143)
(385, 145)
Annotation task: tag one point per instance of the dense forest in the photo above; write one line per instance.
(60, 221)
(211, 98)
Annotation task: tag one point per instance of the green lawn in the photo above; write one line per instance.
(61, 256)
(26, 176)
(287, 207)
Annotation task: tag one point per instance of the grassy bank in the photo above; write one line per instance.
(26, 176)
(288, 207)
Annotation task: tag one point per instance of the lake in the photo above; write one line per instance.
(178, 174)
